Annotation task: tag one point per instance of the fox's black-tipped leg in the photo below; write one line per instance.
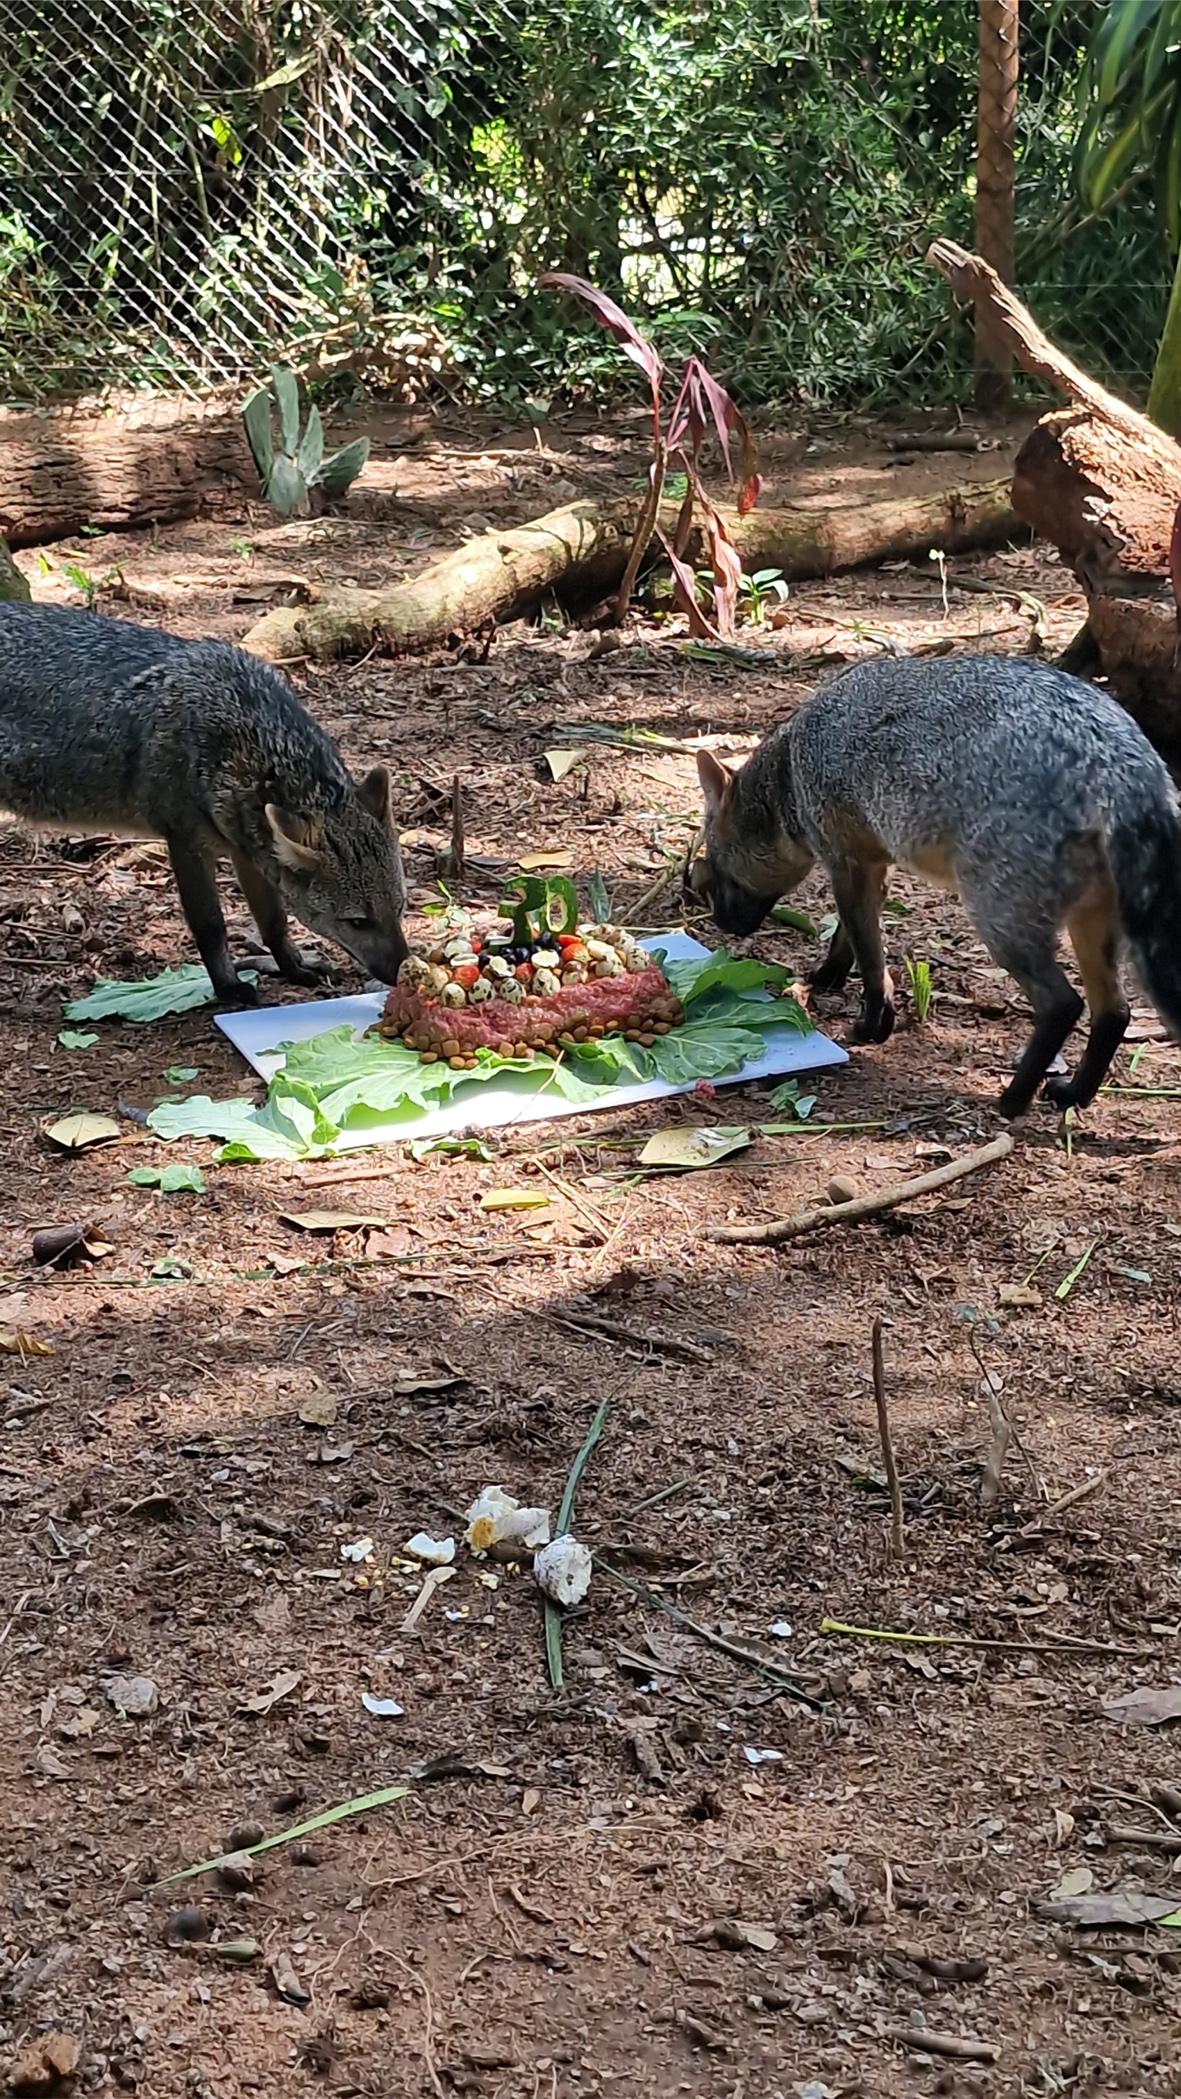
(1078, 1089)
(875, 1022)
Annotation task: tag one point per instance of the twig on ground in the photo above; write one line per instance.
(818, 1216)
(589, 1215)
(593, 1323)
(455, 863)
(1002, 1433)
(1066, 1645)
(961, 2049)
(702, 1632)
(1065, 1501)
(891, 1469)
(553, 1616)
(1168, 1841)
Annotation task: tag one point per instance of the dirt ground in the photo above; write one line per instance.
(673, 1876)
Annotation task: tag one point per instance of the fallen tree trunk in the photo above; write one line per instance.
(149, 465)
(1103, 484)
(580, 552)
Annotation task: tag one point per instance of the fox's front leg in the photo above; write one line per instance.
(268, 914)
(193, 870)
(834, 972)
(858, 887)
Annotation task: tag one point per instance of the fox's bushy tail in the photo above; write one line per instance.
(1144, 852)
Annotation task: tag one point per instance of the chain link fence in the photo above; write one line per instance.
(187, 194)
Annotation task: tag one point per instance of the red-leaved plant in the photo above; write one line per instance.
(700, 404)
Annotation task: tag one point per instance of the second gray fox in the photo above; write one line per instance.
(107, 726)
(1031, 793)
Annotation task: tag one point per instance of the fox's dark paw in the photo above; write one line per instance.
(1013, 1103)
(1061, 1090)
(876, 1023)
(238, 993)
(829, 976)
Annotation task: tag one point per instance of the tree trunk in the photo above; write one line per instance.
(12, 583)
(996, 126)
(149, 466)
(1102, 483)
(580, 551)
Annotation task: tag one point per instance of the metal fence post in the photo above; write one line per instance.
(996, 116)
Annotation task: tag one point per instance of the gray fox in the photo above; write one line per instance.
(109, 726)
(1031, 793)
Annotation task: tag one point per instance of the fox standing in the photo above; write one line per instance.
(1031, 793)
(109, 726)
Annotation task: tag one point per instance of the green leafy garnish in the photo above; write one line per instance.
(336, 1084)
(173, 991)
(170, 1180)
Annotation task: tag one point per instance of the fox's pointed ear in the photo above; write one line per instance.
(373, 792)
(294, 838)
(717, 783)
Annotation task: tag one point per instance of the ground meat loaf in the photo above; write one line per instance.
(636, 1003)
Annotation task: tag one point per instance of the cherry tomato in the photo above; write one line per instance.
(524, 972)
(467, 974)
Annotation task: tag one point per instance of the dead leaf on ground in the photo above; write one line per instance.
(1079, 1881)
(515, 1199)
(563, 761)
(319, 1410)
(76, 1133)
(44, 2063)
(1017, 1297)
(389, 1245)
(15, 1342)
(533, 863)
(68, 1245)
(135, 1696)
(1152, 1705)
(287, 1982)
(280, 1686)
(739, 1937)
(692, 1147)
(407, 1382)
(1124, 1906)
(331, 1221)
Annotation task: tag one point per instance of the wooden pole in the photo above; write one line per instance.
(996, 118)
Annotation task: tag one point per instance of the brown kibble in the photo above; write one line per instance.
(450, 1048)
(661, 1027)
(469, 1063)
(456, 1062)
(430, 1056)
(631, 1034)
(646, 1040)
(595, 1029)
(580, 1034)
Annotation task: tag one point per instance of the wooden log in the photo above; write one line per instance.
(152, 464)
(1102, 483)
(580, 552)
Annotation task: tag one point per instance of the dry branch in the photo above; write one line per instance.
(581, 550)
(820, 1215)
(1103, 485)
(887, 1442)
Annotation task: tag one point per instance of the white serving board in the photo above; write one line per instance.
(258, 1033)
